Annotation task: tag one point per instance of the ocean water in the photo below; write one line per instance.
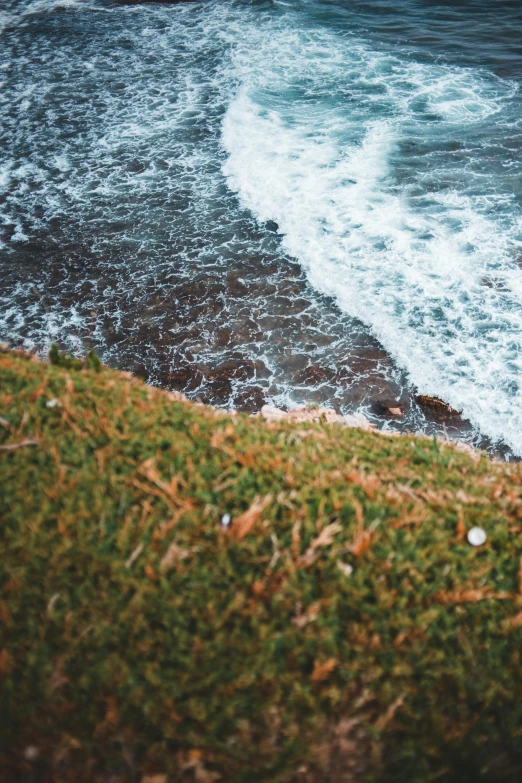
(272, 200)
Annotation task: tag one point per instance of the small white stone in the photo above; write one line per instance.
(53, 403)
(31, 753)
(477, 536)
(226, 519)
(345, 568)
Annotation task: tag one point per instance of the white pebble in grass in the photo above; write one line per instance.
(477, 536)
(31, 753)
(226, 519)
(53, 403)
(345, 568)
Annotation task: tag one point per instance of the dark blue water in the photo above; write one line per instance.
(271, 201)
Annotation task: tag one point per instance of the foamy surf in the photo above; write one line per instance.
(422, 251)
(127, 134)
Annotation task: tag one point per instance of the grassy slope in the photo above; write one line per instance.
(138, 636)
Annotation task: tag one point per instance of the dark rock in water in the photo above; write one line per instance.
(137, 166)
(314, 375)
(434, 405)
(391, 408)
(495, 283)
(271, 225)
(250, 400)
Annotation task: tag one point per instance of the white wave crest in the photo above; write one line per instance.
(425, 256)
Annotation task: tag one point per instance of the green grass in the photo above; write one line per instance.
(139, 637)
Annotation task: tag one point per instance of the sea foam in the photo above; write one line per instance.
(392, 181)
(422, 249)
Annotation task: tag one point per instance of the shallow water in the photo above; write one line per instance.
(272, 201)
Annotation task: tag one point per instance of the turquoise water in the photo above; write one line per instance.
(271, 201)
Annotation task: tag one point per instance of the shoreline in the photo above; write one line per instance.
(298, 413)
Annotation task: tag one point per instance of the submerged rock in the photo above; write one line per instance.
(391, 408)
(436, 405)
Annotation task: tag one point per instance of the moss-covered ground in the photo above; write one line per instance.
(340, 629)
